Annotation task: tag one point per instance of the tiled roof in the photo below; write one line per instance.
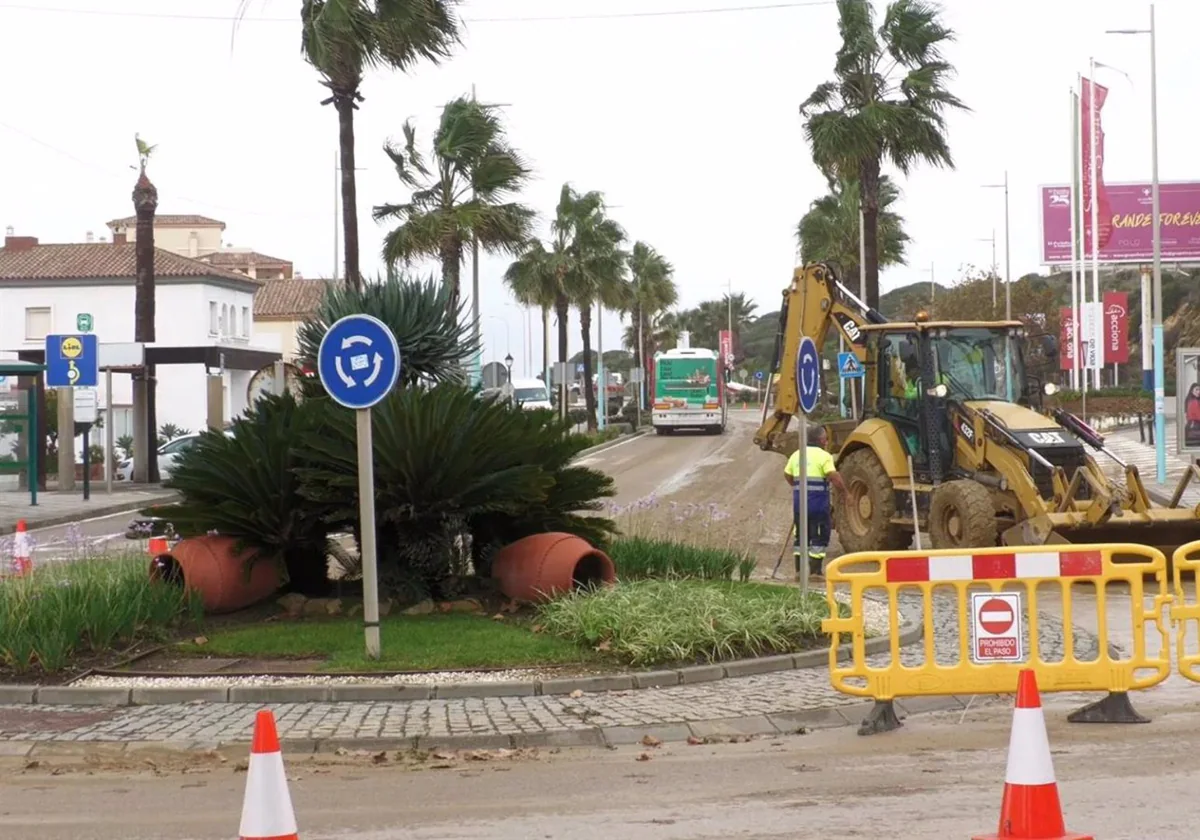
(241, 259)
(289, 299)
(167, 220)
(99, 259)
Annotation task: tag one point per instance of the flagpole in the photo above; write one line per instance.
(1075, 244)
(1093, 141)
(1079, 230)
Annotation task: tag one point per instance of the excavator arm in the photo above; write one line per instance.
(813, 303)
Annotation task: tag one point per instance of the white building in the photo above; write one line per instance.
(44, 288)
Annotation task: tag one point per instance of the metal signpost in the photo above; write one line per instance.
(358, 363)
(86, 405)
(808, 388)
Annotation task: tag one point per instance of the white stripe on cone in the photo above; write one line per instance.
(267, 808)
(1029, 761)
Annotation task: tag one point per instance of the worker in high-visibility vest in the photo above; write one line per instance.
(822, 473)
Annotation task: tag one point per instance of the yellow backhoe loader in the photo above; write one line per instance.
(989, 463)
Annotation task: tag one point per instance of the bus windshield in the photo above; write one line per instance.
(979, 363)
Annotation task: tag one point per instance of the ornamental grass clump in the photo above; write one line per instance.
(655, 622)
(66, 611)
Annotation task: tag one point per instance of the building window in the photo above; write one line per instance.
(214, 318)
(224, 319)
(245, 322)
(37, 322)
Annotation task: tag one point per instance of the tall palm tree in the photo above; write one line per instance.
(887, 102)
(652, 292)
(828, 232)
(460, 195)
(534, 279)
(343, 39)
(594, 274)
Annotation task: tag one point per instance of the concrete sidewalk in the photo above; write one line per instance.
(63, 507)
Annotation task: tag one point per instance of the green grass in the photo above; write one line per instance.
(91, 607)
(602, 436)
(409, 643)
(651, 622)
(638, 558)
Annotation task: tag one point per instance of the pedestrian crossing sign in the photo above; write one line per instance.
(849, 366)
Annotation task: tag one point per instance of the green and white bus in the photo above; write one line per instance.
(689, 391)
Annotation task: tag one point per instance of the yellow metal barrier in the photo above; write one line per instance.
(995, 597)
(1185, 611)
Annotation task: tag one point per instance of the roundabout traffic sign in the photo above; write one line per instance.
(358, 361)
(808, 375)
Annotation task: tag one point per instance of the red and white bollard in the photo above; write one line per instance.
(22, 553)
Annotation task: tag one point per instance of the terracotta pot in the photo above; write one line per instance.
(539, 567)
(211, 566)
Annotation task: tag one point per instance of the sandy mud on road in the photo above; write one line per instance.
(940, 777)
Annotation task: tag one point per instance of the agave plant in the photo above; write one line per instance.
(448, 465)
(244, 486)
(434, 342)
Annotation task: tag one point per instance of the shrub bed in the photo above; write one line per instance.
(639, 557)
(63, 612)
(651, 622)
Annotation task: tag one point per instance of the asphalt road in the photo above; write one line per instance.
(687, 467)
(940, 777)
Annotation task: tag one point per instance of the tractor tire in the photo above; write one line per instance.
(962, 515)
(862, 516)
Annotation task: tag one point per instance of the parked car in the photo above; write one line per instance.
(167, 453)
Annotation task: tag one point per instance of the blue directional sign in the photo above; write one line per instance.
(758, 374)
(808, 375)
(849, 366)
(358, 361)
(72, 361)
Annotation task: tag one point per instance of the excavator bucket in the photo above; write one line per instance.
(1163, 528)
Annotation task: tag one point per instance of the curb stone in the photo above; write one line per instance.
(608, 444)
(768, 725)
(82, 695)
(34, 524)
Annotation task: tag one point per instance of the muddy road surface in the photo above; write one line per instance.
(940, 777)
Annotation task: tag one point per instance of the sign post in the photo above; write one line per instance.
(85, 415)
(808, 388)
(996, 627)
(358, 363)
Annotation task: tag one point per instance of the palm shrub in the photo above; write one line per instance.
(449, 466)
(435, 340)
(245, 487)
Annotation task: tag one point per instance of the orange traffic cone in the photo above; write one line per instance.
(1030, 809)
(267, 809)
(22, 556)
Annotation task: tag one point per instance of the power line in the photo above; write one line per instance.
(712, 10)
(113, 172)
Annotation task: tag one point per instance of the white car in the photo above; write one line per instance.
(167, 453)
(530, 394)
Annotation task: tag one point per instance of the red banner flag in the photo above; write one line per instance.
(1093, 130)
(726, 348)
(1116, 328)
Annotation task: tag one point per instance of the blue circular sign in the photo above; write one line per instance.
(758, 374)
(808, 375)
(358, 361)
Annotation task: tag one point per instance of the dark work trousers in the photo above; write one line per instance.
(819, 527)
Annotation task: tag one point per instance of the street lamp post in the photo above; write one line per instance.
(508, 386)
(1007, 251)
(995, 268)
(1160, 418)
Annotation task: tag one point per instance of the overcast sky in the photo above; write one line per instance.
(687, 122)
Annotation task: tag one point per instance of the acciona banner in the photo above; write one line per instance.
(1110, 319)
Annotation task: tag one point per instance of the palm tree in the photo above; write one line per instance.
(887, 102)
(460, 195)
(344, 38)
(828, 232)
(652, 292)
(533, 278)
(594, 273)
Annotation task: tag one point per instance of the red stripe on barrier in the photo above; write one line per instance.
(907, 569)
(991, 566)
(1080, 563)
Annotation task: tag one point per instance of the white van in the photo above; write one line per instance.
(530, 394)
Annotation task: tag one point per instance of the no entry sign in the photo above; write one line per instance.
(996, 627)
